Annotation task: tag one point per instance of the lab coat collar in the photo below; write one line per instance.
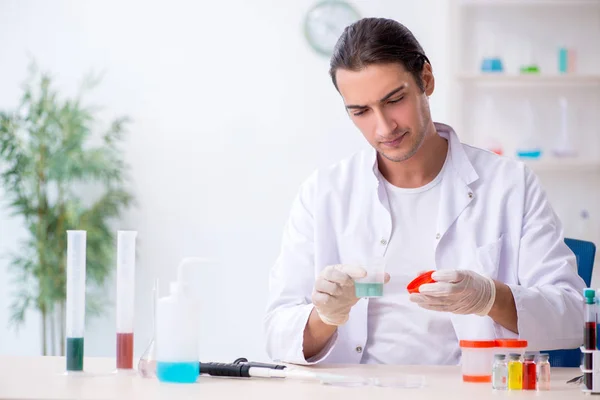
(458, 159)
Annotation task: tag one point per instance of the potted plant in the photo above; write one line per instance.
(59, 172)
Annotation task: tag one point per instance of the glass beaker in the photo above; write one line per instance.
(530, 66)
(372, 284)
(491, 62)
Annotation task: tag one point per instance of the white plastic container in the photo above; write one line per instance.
(477, 360)
(508, 346)
(177, 336)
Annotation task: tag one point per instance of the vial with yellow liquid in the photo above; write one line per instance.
(515, 372)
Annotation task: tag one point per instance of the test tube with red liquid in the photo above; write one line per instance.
(125, 298)
(589, 334)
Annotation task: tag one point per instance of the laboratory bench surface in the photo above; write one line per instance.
(43, 378)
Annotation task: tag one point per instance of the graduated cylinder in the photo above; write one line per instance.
(125, 297)
(75, 318)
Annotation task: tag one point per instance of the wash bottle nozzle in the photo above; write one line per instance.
(185, 275)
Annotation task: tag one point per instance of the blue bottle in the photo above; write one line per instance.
(563, 60)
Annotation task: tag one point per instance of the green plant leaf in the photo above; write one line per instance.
(58, 176)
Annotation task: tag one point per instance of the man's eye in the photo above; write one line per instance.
(358, 113)
(396, 100)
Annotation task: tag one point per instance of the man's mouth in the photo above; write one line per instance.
(394, 142)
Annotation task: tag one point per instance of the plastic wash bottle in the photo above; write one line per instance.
(177, 335)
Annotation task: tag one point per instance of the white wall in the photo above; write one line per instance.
(231, 112)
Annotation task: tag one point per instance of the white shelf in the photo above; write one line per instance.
(516, 21)
(528, 3)
(514, 80)
(567, 165)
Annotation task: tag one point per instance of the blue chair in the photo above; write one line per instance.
(585, 253)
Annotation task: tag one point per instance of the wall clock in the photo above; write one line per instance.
(325, 22)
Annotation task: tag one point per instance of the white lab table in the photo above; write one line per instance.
(43, 378)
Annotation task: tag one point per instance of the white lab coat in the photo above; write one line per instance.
(493, 217)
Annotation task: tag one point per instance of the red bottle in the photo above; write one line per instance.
(529, 372)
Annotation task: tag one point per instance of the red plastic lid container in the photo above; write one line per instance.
(477, 344)
(511, 343)
(413, 287)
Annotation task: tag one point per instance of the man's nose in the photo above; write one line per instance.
(385, 126)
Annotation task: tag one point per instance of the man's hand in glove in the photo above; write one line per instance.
(457, 291)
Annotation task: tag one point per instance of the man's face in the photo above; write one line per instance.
(387, 106)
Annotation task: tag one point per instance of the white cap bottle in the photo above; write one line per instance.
(177, 336)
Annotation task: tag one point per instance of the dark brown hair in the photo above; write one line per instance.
(378, 41)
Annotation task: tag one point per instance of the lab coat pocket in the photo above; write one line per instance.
(487, 258)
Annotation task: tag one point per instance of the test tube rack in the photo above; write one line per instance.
(595, 371)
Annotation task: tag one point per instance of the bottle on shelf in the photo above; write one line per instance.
(564, 146)
(530, 66)
(491, 61)
(566, 59)
(528, 146)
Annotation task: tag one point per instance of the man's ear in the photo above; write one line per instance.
(428, 79)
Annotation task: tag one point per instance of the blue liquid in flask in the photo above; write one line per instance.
(535, 153)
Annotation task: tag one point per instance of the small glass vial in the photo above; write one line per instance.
(500, 372)
(515, 372)
(529, 372)
(543, 372)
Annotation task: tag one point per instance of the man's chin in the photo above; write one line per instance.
(395, 155)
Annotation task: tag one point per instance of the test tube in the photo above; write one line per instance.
(125, 298)
(589, 334)
(597, 307)
(75, 318)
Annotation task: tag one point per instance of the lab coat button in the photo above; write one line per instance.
(438, 236)
(358, 349)
(383, 242)
(470, 195)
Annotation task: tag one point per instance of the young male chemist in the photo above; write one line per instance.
(422, 200)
